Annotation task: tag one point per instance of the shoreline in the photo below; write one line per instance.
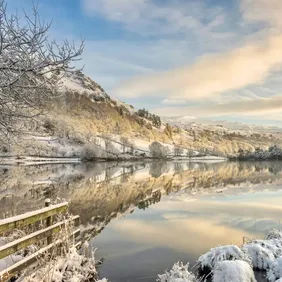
(32, 160)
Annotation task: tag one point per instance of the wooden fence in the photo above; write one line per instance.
(43, 234)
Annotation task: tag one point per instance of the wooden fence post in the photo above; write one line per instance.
(49, 220)
(47, 214)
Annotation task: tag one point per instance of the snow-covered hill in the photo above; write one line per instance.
(78, 82)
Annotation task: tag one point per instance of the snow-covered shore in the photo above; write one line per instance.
(30, 160)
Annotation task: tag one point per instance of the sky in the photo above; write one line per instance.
(212, 59)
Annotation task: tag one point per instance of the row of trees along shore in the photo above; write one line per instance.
(272, 153)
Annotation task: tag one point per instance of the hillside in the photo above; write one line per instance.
(85, 121)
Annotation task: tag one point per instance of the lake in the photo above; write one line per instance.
(143, 217)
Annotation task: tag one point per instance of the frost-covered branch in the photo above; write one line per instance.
(30, 67)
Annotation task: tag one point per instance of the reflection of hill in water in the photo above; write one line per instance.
(99, 192)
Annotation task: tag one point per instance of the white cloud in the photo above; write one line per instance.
(251, 107)
(211, 75)
(148, 17)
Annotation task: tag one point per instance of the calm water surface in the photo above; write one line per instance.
(142, 217)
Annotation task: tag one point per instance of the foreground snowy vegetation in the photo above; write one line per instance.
(74, 267)
(62, 263)
(231, 263)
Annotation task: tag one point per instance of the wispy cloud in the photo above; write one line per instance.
(211, 75)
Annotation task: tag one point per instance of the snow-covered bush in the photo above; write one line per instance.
(73, 267)
(261, 256)
(233, 271)
(275, 270)
(264, 252)
(208, 261)
(178, 273)
(274, 245)
(274, 234)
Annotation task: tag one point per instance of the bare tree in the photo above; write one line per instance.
(178, 151)
(158, 151)
(126, 144)
(30, 67)
(109, 147)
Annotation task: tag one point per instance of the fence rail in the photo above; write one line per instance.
(46, 233)
(20, 221)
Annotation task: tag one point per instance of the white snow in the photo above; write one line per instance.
(275, 270)
(233, 271)
(80, 84)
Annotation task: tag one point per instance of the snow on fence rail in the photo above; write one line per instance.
(46, 233)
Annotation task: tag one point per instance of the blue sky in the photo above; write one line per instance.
(215, 59)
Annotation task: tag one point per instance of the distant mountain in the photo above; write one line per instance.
(188, 122)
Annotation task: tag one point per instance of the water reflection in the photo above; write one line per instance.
(153, 214)
(104, 189)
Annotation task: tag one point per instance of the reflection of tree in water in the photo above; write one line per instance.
(275, 168)
(155, 198)
(90, 198)
(178, 167)
(272, 167)
(158, 168)
(169, 187)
